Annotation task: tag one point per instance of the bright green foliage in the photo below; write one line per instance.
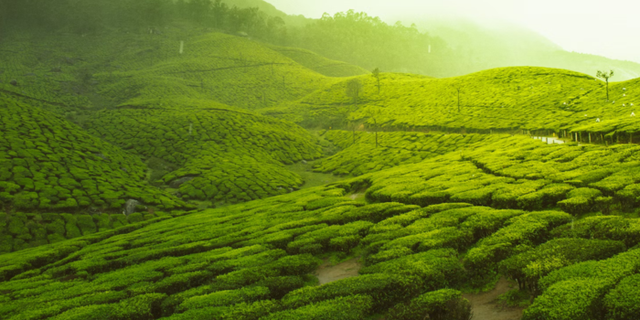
(622, 302)
(223, 298)
(436, 268)
(222, 154)
(348, 308)
(47, 157)
(604, 228)
(614, 268)
(579, 201)
(385, 289)
(442, 304)
(568, 300)
(528, 267)
(318, 63)
(519, 235)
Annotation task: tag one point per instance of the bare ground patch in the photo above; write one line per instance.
(329, 273)
(485, 305)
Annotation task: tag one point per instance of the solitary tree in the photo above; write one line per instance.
(354, 86)
(605, 76)
(373, 114)
(457, 88)
(376, 74)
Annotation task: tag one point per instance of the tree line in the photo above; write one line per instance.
(349, 36)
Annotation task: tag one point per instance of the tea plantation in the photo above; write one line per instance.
(220, 153)
(443, 189)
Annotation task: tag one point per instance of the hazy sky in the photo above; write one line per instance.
(605, 27)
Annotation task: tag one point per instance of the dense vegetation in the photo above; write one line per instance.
(443, 189)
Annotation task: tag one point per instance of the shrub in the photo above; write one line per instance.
(436, 268)
(580, 201)
(616, 267)
(561, 301)
(279, 286)
(445, 304)
(622, 302)
(354, 307)
(385, 289)
(528, 267)
(224, 298)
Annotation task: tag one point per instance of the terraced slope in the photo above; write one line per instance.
(112, 68)
(393, 149)
(49, 163)
(252, 260)
(517, 172)
(215, 152)
(507, 99)
(320, 64)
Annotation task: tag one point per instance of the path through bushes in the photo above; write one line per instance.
(485, 305)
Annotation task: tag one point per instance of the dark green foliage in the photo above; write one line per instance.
(622, 302)
(224, 298)
(520, 233)
(353, 307)
(385, 289)
(279, 286)
(57, 166)
(445, 304)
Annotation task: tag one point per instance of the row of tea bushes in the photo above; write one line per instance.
(394, 149)
(497, 99)
(25, 230)
(605, 290)
(214, 66)
(136, 65)
(253, 260)
(48, 163)
(222, 154)
(320, 64)
(499, 171)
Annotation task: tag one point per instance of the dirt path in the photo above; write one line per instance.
(485, 306)
(327, 273)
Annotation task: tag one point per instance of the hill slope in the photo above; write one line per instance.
(511, 99)
(214, 152)
(251, 261)
(49, 163)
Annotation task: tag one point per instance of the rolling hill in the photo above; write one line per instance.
(443, 190)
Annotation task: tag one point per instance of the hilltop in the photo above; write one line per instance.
(498, 100)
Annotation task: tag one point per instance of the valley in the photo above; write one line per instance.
(196, 173)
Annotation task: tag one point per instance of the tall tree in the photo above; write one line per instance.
(457, 88)
(605, 76)
(376, 74)
(219, 11)
(354, 86)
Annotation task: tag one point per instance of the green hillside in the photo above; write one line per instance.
(111, 69)
(428, 188)
(49, 163)
(209, 151)
(506, 99)
(320, 64)
(253, 260)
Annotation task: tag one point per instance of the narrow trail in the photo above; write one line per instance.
(485, 305)
(329, 273)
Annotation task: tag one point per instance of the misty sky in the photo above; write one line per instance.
(605, 27)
